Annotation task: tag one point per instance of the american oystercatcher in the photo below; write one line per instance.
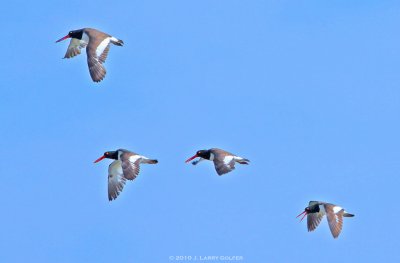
(97, 46)
(224, 161)
(316, 210)
(125, 167)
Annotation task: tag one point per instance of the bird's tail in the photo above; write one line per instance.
(243, 161)
(117, 41)
(148, 161)
(347, 214)
(152, 161)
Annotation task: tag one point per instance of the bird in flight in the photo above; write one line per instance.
(125, 167)
(316, 210)
(97, 46)
(224, 161)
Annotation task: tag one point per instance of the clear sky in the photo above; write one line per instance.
(309, 91)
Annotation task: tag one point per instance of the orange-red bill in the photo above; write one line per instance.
(191, 158)
(305, 213)
(101, 158)
(63, 38)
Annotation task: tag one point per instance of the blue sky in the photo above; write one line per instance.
(307, 90)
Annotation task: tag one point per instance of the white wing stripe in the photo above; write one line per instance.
(228, 159)
(102, 46)
(134, 158)
(336, 209)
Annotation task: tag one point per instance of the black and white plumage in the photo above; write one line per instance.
(97, 46)
(224, 161)
(316, 210)
(125, 167)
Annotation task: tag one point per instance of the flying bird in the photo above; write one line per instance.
(224, 161)
(316, 210)
(97, 46)
(125, 167)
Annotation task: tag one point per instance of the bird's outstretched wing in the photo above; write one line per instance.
(223, 163)
(97, 52)
(116, 180)
(130, 165)
(74, 48)
(313, 219)
(335, 220)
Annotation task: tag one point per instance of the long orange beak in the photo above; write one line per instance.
(305, 213)
(63, 38)
(191, 158)
(101, 158)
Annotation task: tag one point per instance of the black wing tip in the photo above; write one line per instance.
(98, 79)
(223, 172)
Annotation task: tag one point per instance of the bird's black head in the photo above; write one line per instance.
(312, 209)
(111, 155)
(309, 210)
(203, 154)
(76, 34)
